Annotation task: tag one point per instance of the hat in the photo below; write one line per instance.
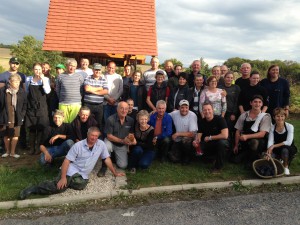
(257, 96)
(14, 60)
(60, 66)
(159, 72)
(97, 66)
(184, 102)
(59, 112)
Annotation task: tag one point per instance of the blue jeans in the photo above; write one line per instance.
(57, 151)
(140, 158)
(108, 110)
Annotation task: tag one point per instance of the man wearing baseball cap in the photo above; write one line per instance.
(95, 87)
(185, 122)
(14, 65)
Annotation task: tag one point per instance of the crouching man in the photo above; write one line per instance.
(78, 164)
(56, 140)
(212, 135)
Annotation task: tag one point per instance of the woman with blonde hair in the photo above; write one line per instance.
(12, 112)
(281, 139)
(142, 155)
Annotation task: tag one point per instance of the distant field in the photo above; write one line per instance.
(4, 57)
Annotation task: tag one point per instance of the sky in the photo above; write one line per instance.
(190, 29)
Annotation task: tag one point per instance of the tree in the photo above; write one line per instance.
(29, 51)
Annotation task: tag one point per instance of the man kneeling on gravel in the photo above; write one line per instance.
(78, 164)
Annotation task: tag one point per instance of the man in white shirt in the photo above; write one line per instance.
(115, 90)
(84, 67)
(185, 122)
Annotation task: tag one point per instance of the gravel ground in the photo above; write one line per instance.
(95, 185)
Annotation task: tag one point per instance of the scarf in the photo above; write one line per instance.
(13, 92)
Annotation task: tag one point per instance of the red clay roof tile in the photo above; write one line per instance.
(98, 26)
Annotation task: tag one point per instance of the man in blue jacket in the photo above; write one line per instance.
(162, 123)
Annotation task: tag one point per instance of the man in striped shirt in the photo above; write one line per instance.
(69, 89)
(95, 87)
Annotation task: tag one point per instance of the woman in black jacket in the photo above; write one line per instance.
(179, 93)
(12, 112)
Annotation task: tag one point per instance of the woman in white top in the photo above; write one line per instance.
(281, 139)
(37, 86)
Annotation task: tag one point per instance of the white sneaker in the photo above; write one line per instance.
(286, 171)
(16, 156)
(5, 155)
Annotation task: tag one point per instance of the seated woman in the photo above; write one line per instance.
(142, 155)
(281, 139)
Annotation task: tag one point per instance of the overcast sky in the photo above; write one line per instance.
(189, 29)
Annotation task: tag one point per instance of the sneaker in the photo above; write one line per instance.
(133, 171)
(16, 156)
(5, 155)
(286, 171)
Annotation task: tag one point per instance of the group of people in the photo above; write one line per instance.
(166, 114)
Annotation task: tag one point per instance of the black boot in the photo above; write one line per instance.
(32, 141)
(28, 191)
(103, 169)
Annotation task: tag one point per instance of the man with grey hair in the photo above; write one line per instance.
(84, 67)
(76, 168)
(117, 128)
(162, 123)
(95, 87)
(244, 81)
(149, 76)
(69, 90)
(196, 68)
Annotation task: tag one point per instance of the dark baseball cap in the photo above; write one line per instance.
(14, 60)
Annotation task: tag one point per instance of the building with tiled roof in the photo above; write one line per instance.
(101, 30)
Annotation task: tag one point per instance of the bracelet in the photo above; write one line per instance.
(209, 138)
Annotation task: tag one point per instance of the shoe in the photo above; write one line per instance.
(16, 156)
(216, 171)
(26, 192)
(5, 155)
(133, 171)
(286, 171)
(102, 172)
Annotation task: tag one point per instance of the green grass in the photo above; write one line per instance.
(159, 174)
(13, 181)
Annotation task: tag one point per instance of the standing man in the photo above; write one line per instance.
(185, 122)
(14, 65)
(252, 128)
(69, 90)
(84, 67)
(244, 81)
(117, 128)
(115, 90)
(127, 78)
(196, 67)
(95, 87)
(149, 76)
(169, 68)
(224, 70)
(162, 123)
(212, 135)
(196, 91)
(77, 166)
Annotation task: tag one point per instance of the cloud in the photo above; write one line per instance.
(188, 30)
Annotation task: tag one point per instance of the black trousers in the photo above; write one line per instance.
(215, 150)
